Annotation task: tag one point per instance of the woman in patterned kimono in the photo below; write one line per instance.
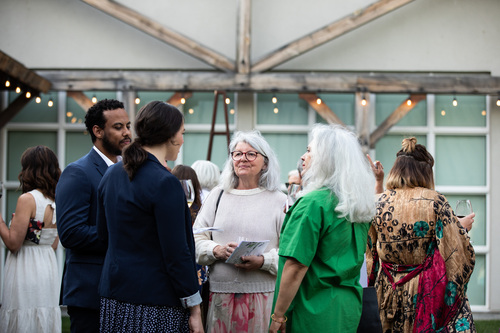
(420, 257)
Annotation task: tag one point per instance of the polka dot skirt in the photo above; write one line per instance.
(124, 317)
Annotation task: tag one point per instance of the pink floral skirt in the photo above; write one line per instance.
(239, 312)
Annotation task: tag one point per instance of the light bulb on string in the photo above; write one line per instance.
(28, 95)
(38, 99)
(227, 100)
(50, 103)
(364, 101)
(454, 102)
(275, 110)
(94, 99)
(318, 101)
(274, 100)
(231, 111)
(498, 101)
(191, 111)
(443, 113)
(18, 90)
(183, 100)
(69, 114)
(408, 101)
(483, 113)
(137, 99)
(7, 83)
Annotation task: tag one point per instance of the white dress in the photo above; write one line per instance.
(30, 301)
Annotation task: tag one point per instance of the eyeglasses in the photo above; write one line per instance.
(288, 184)
(250, 155)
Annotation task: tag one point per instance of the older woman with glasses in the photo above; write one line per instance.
(247, 205)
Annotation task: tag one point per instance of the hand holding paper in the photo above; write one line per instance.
(247, 248)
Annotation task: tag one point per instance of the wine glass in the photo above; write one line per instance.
(463, 209)
(293, 189)
(187, 186)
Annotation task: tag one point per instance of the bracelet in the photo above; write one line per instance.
(273, 318)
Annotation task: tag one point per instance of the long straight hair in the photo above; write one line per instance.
(338, 163)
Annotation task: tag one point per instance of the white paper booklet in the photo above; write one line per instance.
(247, 248)
(200, 230)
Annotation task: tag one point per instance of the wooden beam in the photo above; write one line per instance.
(81, 99)
(18, 72)
(327, 33)
(164, 34)
(243, 36)
(14, 108)
(322, 109)
(401, 111)
(479, 83)
(175, 99)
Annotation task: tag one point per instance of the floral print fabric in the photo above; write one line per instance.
(249, 313)
(420, 260)
(34, 231)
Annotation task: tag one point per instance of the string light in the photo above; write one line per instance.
(28, 94)
(137, 99)
(94, 99)
(443, 113)
(183, 100)
(191, 111)
(38, 99)
(364, 102)
(498, 100)
(7, 83)
(18, 90)
(69, 114)
(483, 112)
(274, 99)
(318, 101)
(50, 103)
(227, 100)
(231, 111)
(408, 101)
(454, 102)
(276, 110)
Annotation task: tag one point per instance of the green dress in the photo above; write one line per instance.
(330, 296)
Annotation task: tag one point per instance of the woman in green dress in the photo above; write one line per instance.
(323, 238)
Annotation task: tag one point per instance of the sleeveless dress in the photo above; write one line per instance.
(30, 301)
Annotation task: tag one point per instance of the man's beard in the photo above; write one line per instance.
(111, 148)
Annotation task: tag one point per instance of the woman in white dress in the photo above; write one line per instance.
(30, 301)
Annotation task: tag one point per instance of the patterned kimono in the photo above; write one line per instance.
(420, 260)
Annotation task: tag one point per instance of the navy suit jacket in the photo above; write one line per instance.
(76, 209)
(147, 223)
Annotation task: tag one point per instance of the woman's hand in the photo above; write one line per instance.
(222, 252)
(467, 221)
(277, 327)
(195, 323)
(251, 263)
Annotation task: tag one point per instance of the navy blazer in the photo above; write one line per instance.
(147, 223)
(76, 209)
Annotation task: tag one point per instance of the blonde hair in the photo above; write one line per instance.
(412, 168)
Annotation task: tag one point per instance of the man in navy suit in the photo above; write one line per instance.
(76, 202)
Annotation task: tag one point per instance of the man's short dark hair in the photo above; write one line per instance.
(95, 114)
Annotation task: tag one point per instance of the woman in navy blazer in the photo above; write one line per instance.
(149, 281)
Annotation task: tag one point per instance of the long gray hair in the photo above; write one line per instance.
(269, 177)
(338, 163)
